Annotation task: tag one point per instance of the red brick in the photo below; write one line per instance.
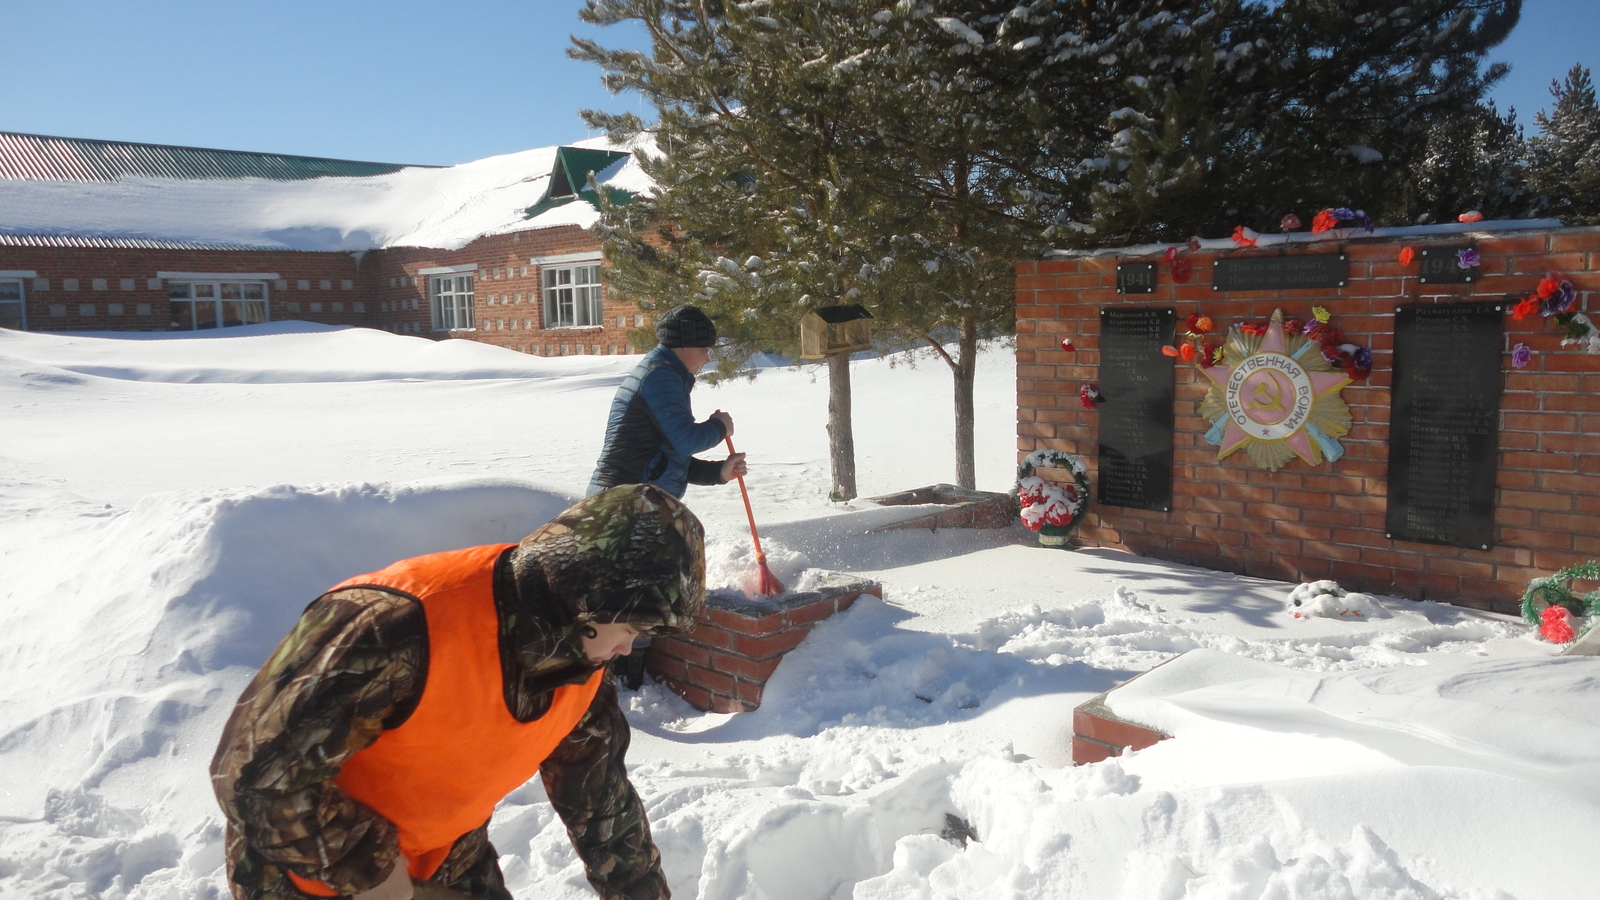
(1085, 751)
(744, 668)
(715, 682)
(1113, 731)
(743, 625)
(770, 645)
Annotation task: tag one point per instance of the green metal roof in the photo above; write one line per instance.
(42, 157)
(834, 315)
(569, 179)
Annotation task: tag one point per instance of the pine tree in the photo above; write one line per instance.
(1474, 160)
(853, 151)
(1564, 158)
(1215, 114)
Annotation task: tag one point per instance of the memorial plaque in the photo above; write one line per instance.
(1136, 416)
(1280, 273)
(1441, 265)
(1444, 422)
(1136, 278)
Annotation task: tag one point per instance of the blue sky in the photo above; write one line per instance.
(408, 80)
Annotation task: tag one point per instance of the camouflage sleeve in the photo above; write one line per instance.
(353, 665)
(589, 788)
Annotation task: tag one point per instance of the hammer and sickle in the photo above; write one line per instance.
(1267, 394)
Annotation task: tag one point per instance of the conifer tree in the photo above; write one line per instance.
(1473, 160)
(1564, 158)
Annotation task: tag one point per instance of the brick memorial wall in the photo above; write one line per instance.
(1306, 522)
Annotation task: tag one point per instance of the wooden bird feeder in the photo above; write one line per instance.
(835, 329)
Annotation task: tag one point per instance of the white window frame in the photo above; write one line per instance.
(214, 289)
(573, 294)
(21, 278)
(450, 298)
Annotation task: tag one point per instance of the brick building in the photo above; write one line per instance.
(109, 236)
(1306, 522)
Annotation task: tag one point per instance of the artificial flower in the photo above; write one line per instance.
(1067, 345)
(1525, 307)
(1321, 313)
(1198, 323)
(1407, 256)
(1182, 270)
(1467, 258)
(1325, 221)
(1186, 352)
(1244, 237)
(1169, 350)
(1289, 222)
(1554, 625)
(1548, 286)
(1088, 396)
(1208, 355)
(1255, 328)
(1470, 215)
(1194, 243)
(1521, 355)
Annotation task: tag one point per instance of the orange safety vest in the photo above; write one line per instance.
(441, 773)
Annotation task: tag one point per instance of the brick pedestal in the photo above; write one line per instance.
(724, 663)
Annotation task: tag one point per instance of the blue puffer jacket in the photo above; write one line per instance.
(652, 435)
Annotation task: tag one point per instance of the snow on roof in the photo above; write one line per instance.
(444, 207)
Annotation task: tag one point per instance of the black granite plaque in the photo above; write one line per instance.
(1136, 278)
(1442, 265)
(1280, 273)
(1136, 417)
(1444, 424)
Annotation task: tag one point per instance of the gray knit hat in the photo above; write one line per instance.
(686, 326)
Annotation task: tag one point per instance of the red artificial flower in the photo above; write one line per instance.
(1292, 326)
(1202, 325)
(1554, 625)
(1548, 286)
(1244, 237)
(1066, 344)
(1255, 328)
(1182, 270)
(1525, 307)
(1470, 215)
(1194, 243)
(1325, 221)
(1186, 352)
(1169, 350)
(1407, 256)
(1209, 355)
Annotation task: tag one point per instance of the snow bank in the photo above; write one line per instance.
(168, 504)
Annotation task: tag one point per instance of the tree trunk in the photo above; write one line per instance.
(841, 437)
(964, 372)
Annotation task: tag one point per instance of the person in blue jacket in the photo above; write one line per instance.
(652, 435)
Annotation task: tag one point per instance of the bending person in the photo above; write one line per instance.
(373, 746)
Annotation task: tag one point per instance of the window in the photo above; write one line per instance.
(572, 296)
(216, 304)
(451, 297)
(13, 311)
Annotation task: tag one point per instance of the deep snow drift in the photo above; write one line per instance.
(168, 505)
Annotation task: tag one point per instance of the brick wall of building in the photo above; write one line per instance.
(1306, 523)
(117, 289)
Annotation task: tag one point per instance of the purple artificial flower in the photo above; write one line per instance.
(1467, 258)
(1343, 212)
(1521, 355)
(1566, 296)
(1363, 358)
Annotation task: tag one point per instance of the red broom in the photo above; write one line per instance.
(767, 584)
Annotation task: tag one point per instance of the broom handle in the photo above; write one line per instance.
(748, 512)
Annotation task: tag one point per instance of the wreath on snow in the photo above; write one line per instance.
(1052, 492)
(1550, 603)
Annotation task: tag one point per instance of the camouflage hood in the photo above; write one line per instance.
(630, 554)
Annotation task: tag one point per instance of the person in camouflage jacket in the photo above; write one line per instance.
(624, 562)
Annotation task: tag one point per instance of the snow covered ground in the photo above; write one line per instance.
(169, 504)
